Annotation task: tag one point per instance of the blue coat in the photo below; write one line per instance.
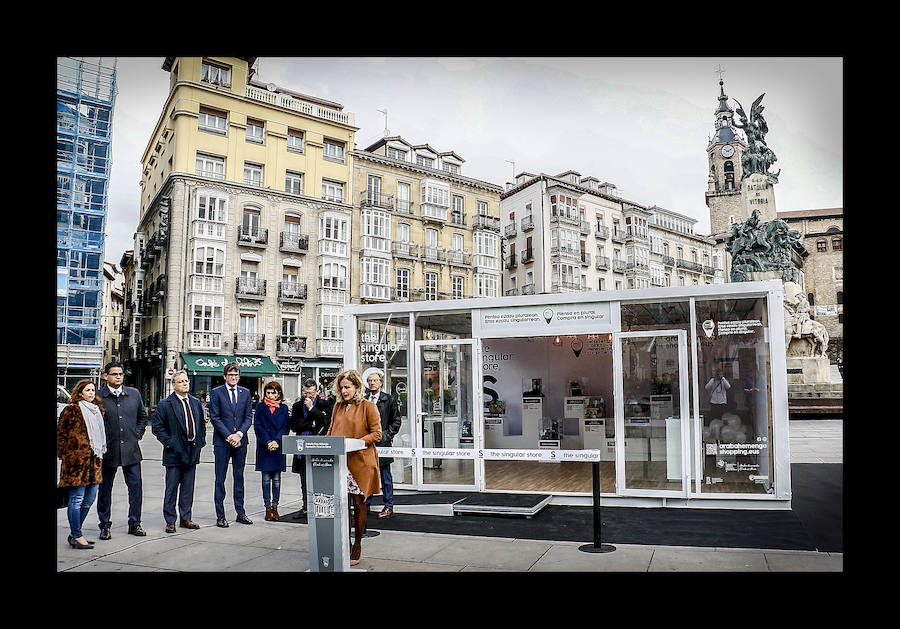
(270, 427)
(170, 428)
(227, 420)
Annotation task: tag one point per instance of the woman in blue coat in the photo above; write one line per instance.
(272, 421)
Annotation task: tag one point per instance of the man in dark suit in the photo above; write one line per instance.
(310, 415)
(231, 414)
(125, 422)
(389, 410)
(179, 426)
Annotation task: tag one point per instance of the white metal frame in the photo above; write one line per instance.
(619, 402)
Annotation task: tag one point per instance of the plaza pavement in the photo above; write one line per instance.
(282, 547)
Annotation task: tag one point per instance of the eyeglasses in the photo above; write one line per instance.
(115, 375)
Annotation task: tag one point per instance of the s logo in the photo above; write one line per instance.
(489, 391)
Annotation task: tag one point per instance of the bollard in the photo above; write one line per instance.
(598, 546)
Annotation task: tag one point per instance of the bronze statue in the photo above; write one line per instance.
(757, 157)
(756, 246)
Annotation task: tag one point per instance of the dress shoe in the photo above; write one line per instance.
(222, 523)
(136, 530)
(386, 513)
(76, 544)
(105, 534)
(70, 540)
(170, 527)
(243, 519)
(188, 524)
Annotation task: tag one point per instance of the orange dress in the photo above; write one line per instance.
(360, 421)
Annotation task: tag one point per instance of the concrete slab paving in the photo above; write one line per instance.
(417, 547)
(514, 555)
(567, 558)
(804, 562)
(717, 560)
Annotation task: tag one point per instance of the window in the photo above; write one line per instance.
(482, 208)
(376, 223)
(457, 215)
(457, 242)
(402, 284)
(331, 321)
(255, 131)
(458, 284)
(840, 297)
(821, 246)
(209, 270)
(333, 275)
(431, 284)
(215, 74)
(253, 174)
(333, 151)
(210, 166)
(396, 153)
(206, 326)
(250, 221)
(427, 162)
(375, 271)
(837, 244)
(292, 225)
(213, 120)
(431, 237)
(333, 228)
(403, 232)
(403, 203)
(332, 191)
(453, 169)
(436, 193)
(485, 285)
(293, 182)
(295, 141)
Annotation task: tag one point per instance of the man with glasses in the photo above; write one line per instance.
(230, 412)
(125, 422)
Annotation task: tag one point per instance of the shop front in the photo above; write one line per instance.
(206, 372)
(679, 395)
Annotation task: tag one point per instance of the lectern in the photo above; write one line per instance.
(326, 497)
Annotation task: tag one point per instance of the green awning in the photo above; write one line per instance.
(214, 364)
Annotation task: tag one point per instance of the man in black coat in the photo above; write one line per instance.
(125, 422)
(180, 427)
(389, 410)
(310, 415)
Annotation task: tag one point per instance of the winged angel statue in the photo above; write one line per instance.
(757, 157)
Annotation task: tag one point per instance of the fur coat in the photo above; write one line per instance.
(80, 466)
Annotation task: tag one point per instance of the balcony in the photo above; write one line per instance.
(404, 206)
(406, 250)
(619, 266)
(690, 266)
(527, 255)
(585, 228)
(370, 198)
(618, 236)
(567, 220)
(565, 253)
(585, 259)
(559, 287)
(510, 292)
(632, 265)
(249, 342)
(434, 213)
(253, 237)
(509, 230)
(295, 104)
(290, 242)
(528, 289)
(708, 270)
(159, 287)
(290, 345)
(434, 254)
(458, 218)
(668, 260)
(602, 232)
(246, 288)
(601, 263)
(482, 221)
(527, 223)
(292, 293)
(375, 292)
(459, 258)
(510, 262)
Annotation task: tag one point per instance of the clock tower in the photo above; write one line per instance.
(723, 193)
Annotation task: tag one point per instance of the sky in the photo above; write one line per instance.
(640, 123)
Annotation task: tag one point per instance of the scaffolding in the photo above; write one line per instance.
(85, 97)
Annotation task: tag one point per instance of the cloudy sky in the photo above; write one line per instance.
(642, 124)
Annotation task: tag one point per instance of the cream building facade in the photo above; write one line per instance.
(242, 248)
(113, 312)
(422, 230)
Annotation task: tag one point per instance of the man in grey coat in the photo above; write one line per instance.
(125, 422)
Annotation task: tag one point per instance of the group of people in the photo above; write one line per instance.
(99, 431)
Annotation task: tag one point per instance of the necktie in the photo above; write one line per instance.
(233, 397)
(189, 420)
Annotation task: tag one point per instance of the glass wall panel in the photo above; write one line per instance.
(735, 395)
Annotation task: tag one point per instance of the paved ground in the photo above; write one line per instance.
(282, 547)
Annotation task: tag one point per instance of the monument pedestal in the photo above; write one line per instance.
(808, 370)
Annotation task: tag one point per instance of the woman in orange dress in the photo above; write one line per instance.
(354, 416)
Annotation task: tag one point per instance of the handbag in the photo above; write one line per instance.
(62, 497)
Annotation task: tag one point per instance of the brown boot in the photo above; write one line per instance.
(275, 516)
(268, 513)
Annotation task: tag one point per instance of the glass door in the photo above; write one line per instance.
(446, 417)
(651, 400)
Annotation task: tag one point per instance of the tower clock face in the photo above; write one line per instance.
(727, 150)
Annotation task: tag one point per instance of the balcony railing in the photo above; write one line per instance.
(482, 221)
(457, 218)
(434, 254)
(246, 288)
(511, 291)
(290, 242)
(292, 292)
(290, 345)
(370, 198)
(528, 289)
(668, 260)
(708, 270)
(585, 228)
(404, 206)
(459, 258)
(296, 104)
(565, 252)
(253, 237)
(569, 220)
(601, 263)
(618, 235)
(249, 342)
(510, 262)
(509, 230)
(527, 223)
(405, 249)
(585, 259)
(527, 255)
(618, 266)
(689, 265)
(558, 286)
(601, 232)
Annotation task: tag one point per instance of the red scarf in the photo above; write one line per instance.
(273, 405)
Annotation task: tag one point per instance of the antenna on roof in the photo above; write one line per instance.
(509, 161)
(386, 131)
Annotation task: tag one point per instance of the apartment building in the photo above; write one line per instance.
(569, 233)
(85, 100)
(423, 231)
(112, 312)
(242, 249)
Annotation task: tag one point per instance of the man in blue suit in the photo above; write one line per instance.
(179, 426)
(230, 411)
